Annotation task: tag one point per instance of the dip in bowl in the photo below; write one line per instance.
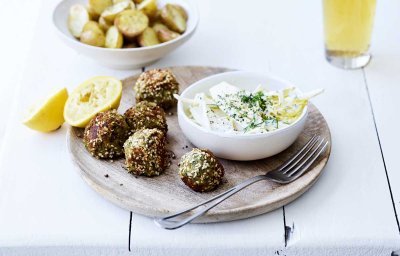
(243, 142)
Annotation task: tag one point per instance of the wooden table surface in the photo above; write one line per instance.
(351, 210)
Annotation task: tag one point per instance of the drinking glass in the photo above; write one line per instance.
(348, 28)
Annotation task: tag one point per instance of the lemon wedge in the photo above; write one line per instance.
(95, 95)
(48, 115)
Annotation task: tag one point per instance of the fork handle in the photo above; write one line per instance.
(171, 222)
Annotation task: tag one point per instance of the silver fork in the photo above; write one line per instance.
(286, 173)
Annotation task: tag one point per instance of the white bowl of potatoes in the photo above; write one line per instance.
(125, 34)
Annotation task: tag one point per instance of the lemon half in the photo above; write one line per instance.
(48, 115)
(95, 95)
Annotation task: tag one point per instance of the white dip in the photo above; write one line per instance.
(229, 109)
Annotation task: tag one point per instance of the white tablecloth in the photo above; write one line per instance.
(47, 209)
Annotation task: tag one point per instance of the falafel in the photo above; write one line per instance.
(105, 135)
(146, 115)
(200, 170)
(145, 153)
(158, 86)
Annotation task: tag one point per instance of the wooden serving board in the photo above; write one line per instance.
(167, 194)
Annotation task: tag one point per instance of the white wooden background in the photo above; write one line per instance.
(46, 209)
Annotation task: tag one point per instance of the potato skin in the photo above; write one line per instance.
(111, 12)
(114, 38)
(92, 14)
(92, 34)
(77, 18)
(149, 7)
(104, 24)
(132, 4)
(164, 34)
(181, 10)
(173, 18)
(98, 6)
(148, 38)
(119, 1)
(131, 23)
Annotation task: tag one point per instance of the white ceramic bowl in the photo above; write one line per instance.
(243, 147)
(128, 58)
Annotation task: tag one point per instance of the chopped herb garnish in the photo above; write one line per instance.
(230, 109)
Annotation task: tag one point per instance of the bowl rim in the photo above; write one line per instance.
(185, 34)
(181, 111)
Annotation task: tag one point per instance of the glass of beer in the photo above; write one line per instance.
(348, 28)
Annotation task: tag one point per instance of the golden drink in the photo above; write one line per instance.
(348, 29)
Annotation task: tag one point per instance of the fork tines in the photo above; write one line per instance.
(300, 162)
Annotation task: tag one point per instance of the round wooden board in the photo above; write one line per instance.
(167, 194)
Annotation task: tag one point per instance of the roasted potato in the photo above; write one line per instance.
(126, 23)
(158, 26)
(92, 14)
(181, 10)
(77, 18)
(173, 18)
(164, 34)
(98, 6)
(104, 24)
(148, 37)
(131, 23)
(119, 1)
(111, 12)
(132, 5)
(114, 38)
(149, 7)
(92, 34)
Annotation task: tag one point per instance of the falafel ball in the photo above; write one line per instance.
(200, 170)
(105, 135)
(158, 86)
(145, 153)
(146, 115)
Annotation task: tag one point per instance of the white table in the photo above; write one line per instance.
(47, 209)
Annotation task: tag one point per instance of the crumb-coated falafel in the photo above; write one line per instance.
(200, 170)
(145, 153)
(158, 86)
(146, 115)
(105, 135)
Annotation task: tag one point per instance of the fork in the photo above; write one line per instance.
(286, 173)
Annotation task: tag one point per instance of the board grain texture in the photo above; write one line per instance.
(167, 194)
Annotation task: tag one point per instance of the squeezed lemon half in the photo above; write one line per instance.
(48, 115)
(95, 95)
